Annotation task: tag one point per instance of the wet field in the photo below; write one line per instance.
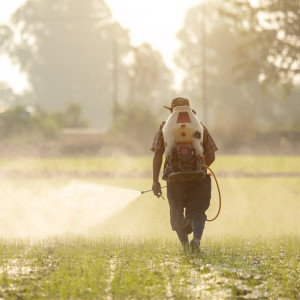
(113, 268)
(58, 240)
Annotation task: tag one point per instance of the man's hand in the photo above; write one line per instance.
(157, 161)
(156, 188)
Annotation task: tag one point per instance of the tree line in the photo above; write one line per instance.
(240, 60)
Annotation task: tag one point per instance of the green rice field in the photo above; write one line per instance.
(252, 251)
(113, 268)
(130, 165)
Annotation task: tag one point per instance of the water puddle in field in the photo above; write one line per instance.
(211, 282)
(73, 208)
(200, 280)
(15, 267)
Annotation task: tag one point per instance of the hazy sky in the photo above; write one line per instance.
(155, 21)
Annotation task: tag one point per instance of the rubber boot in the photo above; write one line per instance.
(184, 240)
(198, 227)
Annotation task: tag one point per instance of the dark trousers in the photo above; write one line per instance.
(188, 202)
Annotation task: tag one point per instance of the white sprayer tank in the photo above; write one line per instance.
(183, 127)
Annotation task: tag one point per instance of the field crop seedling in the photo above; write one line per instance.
(251, 252)
(103, 268)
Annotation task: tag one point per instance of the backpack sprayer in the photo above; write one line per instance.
(183, 138)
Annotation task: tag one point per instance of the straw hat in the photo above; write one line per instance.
(180, 101)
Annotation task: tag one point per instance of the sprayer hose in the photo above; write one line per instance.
(220, 202)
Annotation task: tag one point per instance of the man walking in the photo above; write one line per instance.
(188, 199)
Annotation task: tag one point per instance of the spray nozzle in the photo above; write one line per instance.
(143, 192)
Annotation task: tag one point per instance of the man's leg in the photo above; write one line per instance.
(199, 200)
(198, 227)
(184, 239)
(177, 219)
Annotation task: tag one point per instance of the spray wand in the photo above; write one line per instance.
(143, 192)
(160, 195)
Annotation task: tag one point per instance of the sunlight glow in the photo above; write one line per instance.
(155, 22)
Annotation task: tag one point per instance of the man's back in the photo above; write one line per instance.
(188, 200)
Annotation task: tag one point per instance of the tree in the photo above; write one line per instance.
(133, 130)
(223, 95)
(65, 47)
(270, 44)
(72, 117)
(7, 97)
(234, 108)
(150, 79)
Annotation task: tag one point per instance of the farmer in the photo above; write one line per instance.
(194, 197)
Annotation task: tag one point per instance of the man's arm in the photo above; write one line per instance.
(210, 158)
(209, 146)
(157, 162)
(158, 149)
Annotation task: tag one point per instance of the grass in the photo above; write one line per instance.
(109, 268)
(131, 165)
(252, 251)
